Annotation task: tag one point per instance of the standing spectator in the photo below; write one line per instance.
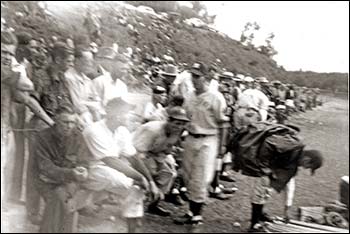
(168, 75)
(24, 57)
(113, 69)
(81, 89)
(252, 106)
(15, 86)
(51, 95)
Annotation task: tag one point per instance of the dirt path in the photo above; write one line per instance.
(325, 128)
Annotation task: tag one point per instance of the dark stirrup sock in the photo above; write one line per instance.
(196, 208)
(256, 214)
(215, 182)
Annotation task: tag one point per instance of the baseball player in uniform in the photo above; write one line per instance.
(206, 110)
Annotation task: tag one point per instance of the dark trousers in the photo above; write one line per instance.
(32, 195)
(58, 216)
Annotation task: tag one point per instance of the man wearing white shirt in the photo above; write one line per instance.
(111, 164)
(252, 105)
(155, 110)
(113, 69)
(82, 92)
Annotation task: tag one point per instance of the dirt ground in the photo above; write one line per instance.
(325, 128)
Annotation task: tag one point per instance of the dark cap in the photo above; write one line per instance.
(316, 159)
(198, 69)
(178, 113)
(169, 70)
(24, 38)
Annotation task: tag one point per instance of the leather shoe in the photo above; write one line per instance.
(229, 190)
(220, 196)
(227, 178)
(266, 218)
(158, 211)
(174, 199)
(188, 219)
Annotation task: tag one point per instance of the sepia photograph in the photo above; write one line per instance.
(174, 117)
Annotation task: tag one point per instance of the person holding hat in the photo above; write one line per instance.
(155, 110)
(204, 142)
(154, 142)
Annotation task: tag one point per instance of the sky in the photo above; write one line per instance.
(311, 36)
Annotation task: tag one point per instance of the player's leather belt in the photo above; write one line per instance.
(195, 135)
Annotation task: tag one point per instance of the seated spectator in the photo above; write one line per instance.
(56, 175)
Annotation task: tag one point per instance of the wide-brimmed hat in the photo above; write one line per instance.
(169, 70)
(262, 80)
(226, 75)
(178, 113)
(198, 69)
(238, 77)
(248, 79)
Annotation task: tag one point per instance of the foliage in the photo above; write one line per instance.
(187, 44)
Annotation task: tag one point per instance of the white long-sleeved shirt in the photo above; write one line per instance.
(254, 98)
(107, 88)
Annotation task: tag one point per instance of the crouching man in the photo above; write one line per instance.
(111, 163)
(56, 174)
(154, 141)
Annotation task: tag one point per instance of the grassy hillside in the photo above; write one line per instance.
(168, 35)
